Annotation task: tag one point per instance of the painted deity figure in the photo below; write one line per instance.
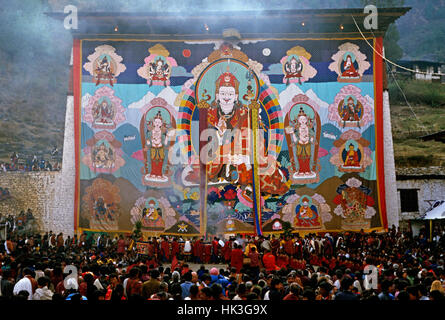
(293, 69)
(306, 215)
(350, 111)
(159, 71)
(352, 157)
(156, 144)
(150, 213)
(103, 113)
(104, 72)
(103, 157)
(230, 119)
(349, 69)
(303, 137)
(353, 202)
(102, 210)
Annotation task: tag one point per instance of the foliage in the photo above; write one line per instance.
(287, 228)
(417, 92)
(137, 229)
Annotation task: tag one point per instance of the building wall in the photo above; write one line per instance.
(34, 190)
(392, 205)
(50, 195)
(433, 189)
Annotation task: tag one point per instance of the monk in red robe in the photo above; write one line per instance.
(165, 250)
(175, 247)
(289, 246)
(236, 258)
(227, 251)
(269, 262)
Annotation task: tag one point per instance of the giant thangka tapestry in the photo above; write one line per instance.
(203, 137)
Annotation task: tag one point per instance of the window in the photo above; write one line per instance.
(409, 200)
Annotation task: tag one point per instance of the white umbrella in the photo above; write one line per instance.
(437, 211)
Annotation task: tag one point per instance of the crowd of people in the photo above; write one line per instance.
(24, 222)
(32, 163)
(276, 267)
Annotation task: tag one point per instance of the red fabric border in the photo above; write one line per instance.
(76, 92)
(378, 71)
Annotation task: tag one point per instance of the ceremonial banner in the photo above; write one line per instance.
(142, 247)
(209, 137)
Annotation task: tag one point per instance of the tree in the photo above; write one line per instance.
(393, 51)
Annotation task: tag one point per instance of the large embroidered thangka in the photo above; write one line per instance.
(194, 138)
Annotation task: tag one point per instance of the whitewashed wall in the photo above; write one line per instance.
(392, 205)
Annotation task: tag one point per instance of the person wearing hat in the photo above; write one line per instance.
(218, 278)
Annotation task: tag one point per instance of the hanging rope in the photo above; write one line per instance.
(389, 61)
(392, 74)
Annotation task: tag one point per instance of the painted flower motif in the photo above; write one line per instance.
(370, 212)
(229, 192)
(292, 198)
(353, 183)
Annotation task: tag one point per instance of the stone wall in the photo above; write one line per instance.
(34, 190)
(429, 189)
(50, 195)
